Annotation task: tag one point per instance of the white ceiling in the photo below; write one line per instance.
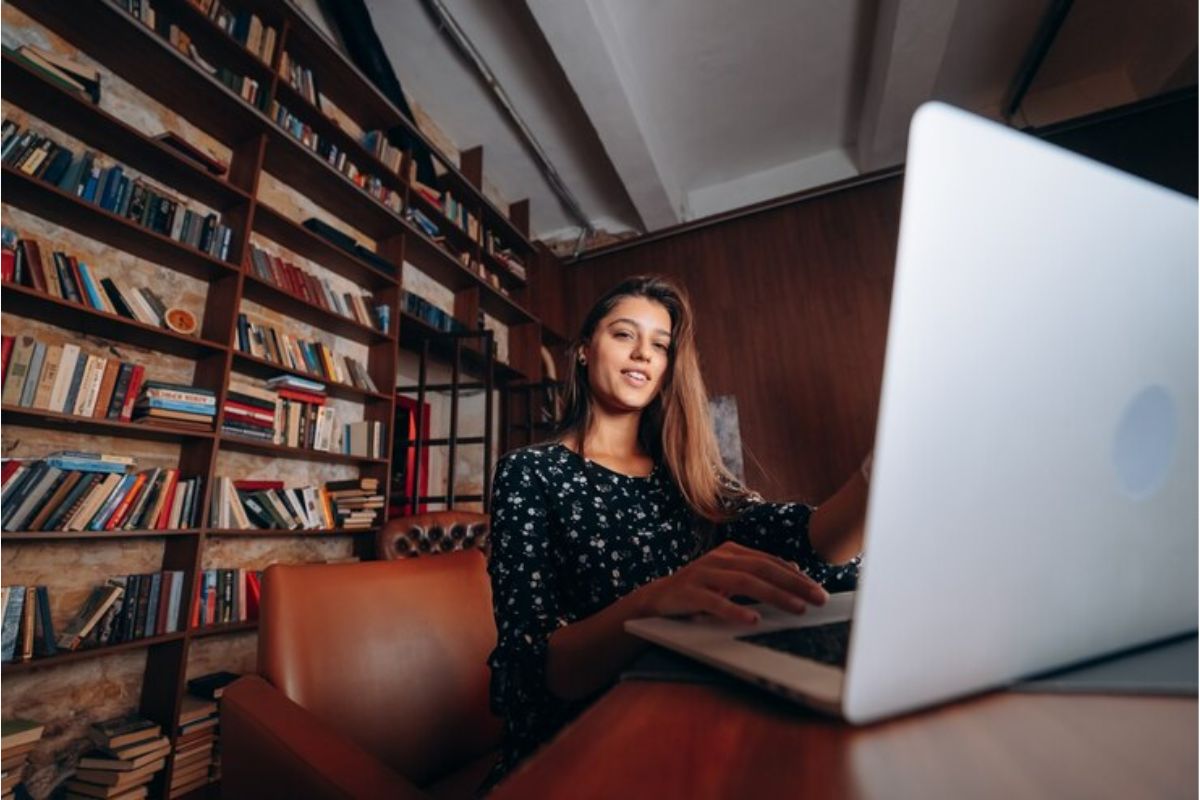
(656, 112)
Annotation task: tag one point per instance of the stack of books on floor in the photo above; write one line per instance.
(176, 405)
(356, 502)
(130, 752)
(211, 687)
(17, 738)
(194, 745)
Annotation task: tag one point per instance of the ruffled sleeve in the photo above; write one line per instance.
(526, 607)
(782, 529)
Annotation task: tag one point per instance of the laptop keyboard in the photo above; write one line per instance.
(825, 643)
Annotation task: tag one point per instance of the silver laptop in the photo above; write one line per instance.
(1034, 496)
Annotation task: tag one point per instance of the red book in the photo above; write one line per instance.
(257, 486)
(8, 469)
(194, 622)
(303, 397)
(8, 263)
(253, 593)
(33, 262)
(277, 271)
(7, 347)
(314, 289)
(297, 279)
(73, 263)
(164, 515)
(135, 386)
(249, 410)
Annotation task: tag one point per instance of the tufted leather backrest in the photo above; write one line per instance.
(392, 654)
(436, 532)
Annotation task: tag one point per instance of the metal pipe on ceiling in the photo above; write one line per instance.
(464, 44)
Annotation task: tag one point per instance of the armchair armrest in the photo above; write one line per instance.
(273, 748)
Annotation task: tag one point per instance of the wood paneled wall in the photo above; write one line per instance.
(791, 307)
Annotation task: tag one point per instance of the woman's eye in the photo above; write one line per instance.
(623, 334)
(664, 348)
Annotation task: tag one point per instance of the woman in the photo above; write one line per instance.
(629, 513)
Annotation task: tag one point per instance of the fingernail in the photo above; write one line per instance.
(752, 617)
(797, 605)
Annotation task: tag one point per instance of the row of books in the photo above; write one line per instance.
(84, 491)
(109, 187)
(66, 380)
(128, 753)
(299, 419)
(318, 291)
(377, 143)
(141, 10)
(18, 737)
(59, 70)
(245, 27)
(123, 609)
(430, 228)
(427, 312)
(269, 505)
(245, 87)
(300, 78)
(224, 596)
(493, 246)
(451, 209)
(335, 157)
(270, 344)
(73, 280)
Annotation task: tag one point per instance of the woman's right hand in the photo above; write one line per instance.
(705, 585)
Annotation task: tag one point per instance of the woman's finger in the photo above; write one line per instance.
(740, 582)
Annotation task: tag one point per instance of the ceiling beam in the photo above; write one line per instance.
(910, 43)
(587, 47)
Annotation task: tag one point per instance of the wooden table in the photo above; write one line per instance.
(674, 740)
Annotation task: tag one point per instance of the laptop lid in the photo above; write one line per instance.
(1034, 495)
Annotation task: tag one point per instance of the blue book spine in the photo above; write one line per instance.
(108, 200)
(111, 503)
(12, 622)
(93, 183)
(77, 465)
(89, 286)
(177, 405)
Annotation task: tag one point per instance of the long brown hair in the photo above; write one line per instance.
(676, 428)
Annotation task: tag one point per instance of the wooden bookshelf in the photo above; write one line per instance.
(140, 57)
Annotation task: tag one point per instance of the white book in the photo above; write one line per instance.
(62, 383)
(138, 305)
(89, 386)
(98, 494)
(176, 597)
(310, 507)
(294, 506)
(239, 512)
(177, 506)
(280, 421)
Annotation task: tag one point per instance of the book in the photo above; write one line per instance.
(212, 685)
(101, 759)
(119, 732)
(89, 615)
(14, 609)
(17, 732)
(186, 148)
(114, 777)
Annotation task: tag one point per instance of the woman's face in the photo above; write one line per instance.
(628, 354)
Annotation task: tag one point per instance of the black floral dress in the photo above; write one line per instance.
(569, 538)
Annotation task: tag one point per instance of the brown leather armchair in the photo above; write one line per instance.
(372, 682)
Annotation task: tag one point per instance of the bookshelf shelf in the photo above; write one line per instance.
(89, 123)
(38, 418)
(218, 630)
(305, 171)
(110, 35)
(445, 225)
(276, 299)
(229, 442)
(414, 330)
(69, 211)
(30, 303)
(261, 368)
(50, 536)
(17, 667)
(278, 228)
(274, 533)
(213, 43)
(509, 277)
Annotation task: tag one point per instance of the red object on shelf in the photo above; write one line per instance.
(405, 435)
